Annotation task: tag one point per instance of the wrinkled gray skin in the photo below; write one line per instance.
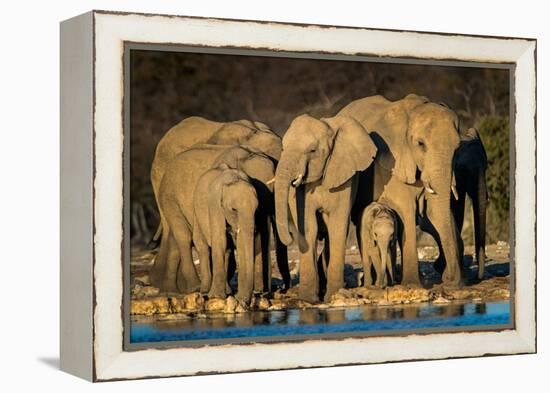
(198, 130)
(173, 269)
(416, 142)
(319, 164)
(470, 165)
(378, 243)
(225, 203)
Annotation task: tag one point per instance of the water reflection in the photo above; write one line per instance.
(313, 321)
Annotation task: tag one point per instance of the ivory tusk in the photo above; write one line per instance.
(298, 180)
(455, 192)
(429, 189)
(270, 182)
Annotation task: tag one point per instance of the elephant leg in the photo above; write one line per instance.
(409, 251)
(365, 257)
(337, 231)
(281, 255)
(158, 271)
(187, 278)
(220, 263)
(168, 281)
(262, 258)
(479, 203)
(230, 267)
(322, 264)
(205, 263)
(308, 289)
(261, 272)
(381, 280)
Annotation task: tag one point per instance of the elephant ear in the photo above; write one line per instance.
(353, 150)
(398, 157)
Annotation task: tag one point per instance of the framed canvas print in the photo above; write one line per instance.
(244, 195)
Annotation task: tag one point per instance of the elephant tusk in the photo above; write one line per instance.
(429, 189)
(267, 183)
(238, 230)
(298, 180)
(455, 192)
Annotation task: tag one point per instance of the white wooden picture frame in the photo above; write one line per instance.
(92, 194)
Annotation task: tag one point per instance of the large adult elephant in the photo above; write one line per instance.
(174, 269)
(196, 130)
(321, 159)
(416, 141)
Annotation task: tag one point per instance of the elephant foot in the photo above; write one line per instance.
(243, 299)
(331, 290)
(204, 289)
(481, 269)
(169, 286)
(155, 277)
(451, 279)
(412, 282)
(308, 297)
(216, 294)
(184, 288)
(381, 284)
(187, 286)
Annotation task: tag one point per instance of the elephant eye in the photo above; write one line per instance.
(421, 144)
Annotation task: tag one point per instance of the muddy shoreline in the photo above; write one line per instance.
(149, 303)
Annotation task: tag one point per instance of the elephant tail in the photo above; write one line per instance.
(155, 240)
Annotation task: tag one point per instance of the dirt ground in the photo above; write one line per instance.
(149, 301)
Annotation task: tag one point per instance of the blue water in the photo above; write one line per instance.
(321, 321)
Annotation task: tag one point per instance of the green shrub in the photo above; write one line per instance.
(494, 131)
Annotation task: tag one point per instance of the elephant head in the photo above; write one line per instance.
(423, 146)
(256, 135)
(232, 202)
(329, 151)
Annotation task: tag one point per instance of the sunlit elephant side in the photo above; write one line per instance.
(196, 130)
(378, 242)
(173, 268)
(416, 141)
(225, 203)
(320, 159)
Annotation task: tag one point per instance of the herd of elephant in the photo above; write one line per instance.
(387, 166)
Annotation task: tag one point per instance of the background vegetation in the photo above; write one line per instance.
(169, 86)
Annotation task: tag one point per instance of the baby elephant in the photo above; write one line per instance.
(378, 243)
(225, 204)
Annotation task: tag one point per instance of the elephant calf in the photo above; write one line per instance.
(225, 204)
(378, 243)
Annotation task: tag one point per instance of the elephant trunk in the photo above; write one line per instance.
(443, 220)
(245, 251)
(290, 171)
